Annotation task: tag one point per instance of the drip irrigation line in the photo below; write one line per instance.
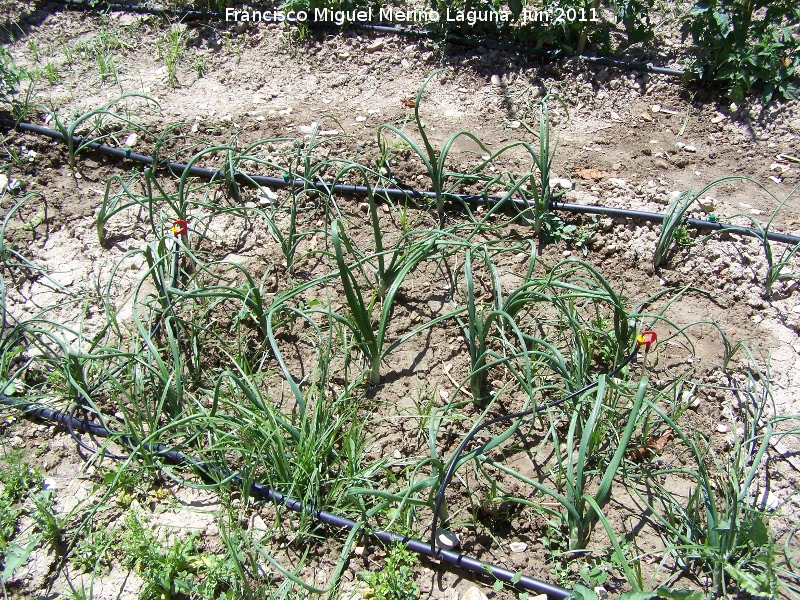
(453, 465)
(268, 17)
(262, 491)
(772, 236)
(392, 193)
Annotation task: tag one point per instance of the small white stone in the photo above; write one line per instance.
(375, 46)
(680, 145)
(718, 119)
(656, 108)
(722, 428)
(446, 539)
(305, 129)
(518, 547)
(268, 196)
(564, 184)
(131, 140)
(496, 80)
(773, 501)
(473, 593)
(707, 204)
(360, 119)
(690, 149)
(514, 125)
(364, 207)
(397, 455)
(3, 183)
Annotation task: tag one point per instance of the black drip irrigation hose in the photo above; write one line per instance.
(551, 55)
(262, 491)
(393, 193)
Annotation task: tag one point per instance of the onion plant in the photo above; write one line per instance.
(433, 160)
(721, 527)
(99, 117)
(675, 215)
(371, 335)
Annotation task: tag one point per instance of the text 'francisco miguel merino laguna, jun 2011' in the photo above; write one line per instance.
(392, 15)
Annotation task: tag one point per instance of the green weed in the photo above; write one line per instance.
(395, 581)
(747, 46)
(171, 47)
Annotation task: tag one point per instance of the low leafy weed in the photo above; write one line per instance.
(396, 580)
(747, 46)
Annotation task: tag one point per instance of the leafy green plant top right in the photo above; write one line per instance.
(747, 46)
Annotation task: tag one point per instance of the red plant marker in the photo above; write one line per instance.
(646, 338)
(180, 227)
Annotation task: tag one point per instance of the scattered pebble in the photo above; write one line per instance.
(600, 591)
(656, 108)
(718, 119)
(647, 117)
(690, 149)
(305, 129)
(514, 125)
(773, 501)
(707, 204)
(268, 196)
(360, 119)
(680, 145)
(496, 80)
(397, 455)
(446, 539)
(375, 46)
(131, 140)
(722, 428)
(364, 207)
(3, 182)
(518, 547)
(564, 184)
(473, 593)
